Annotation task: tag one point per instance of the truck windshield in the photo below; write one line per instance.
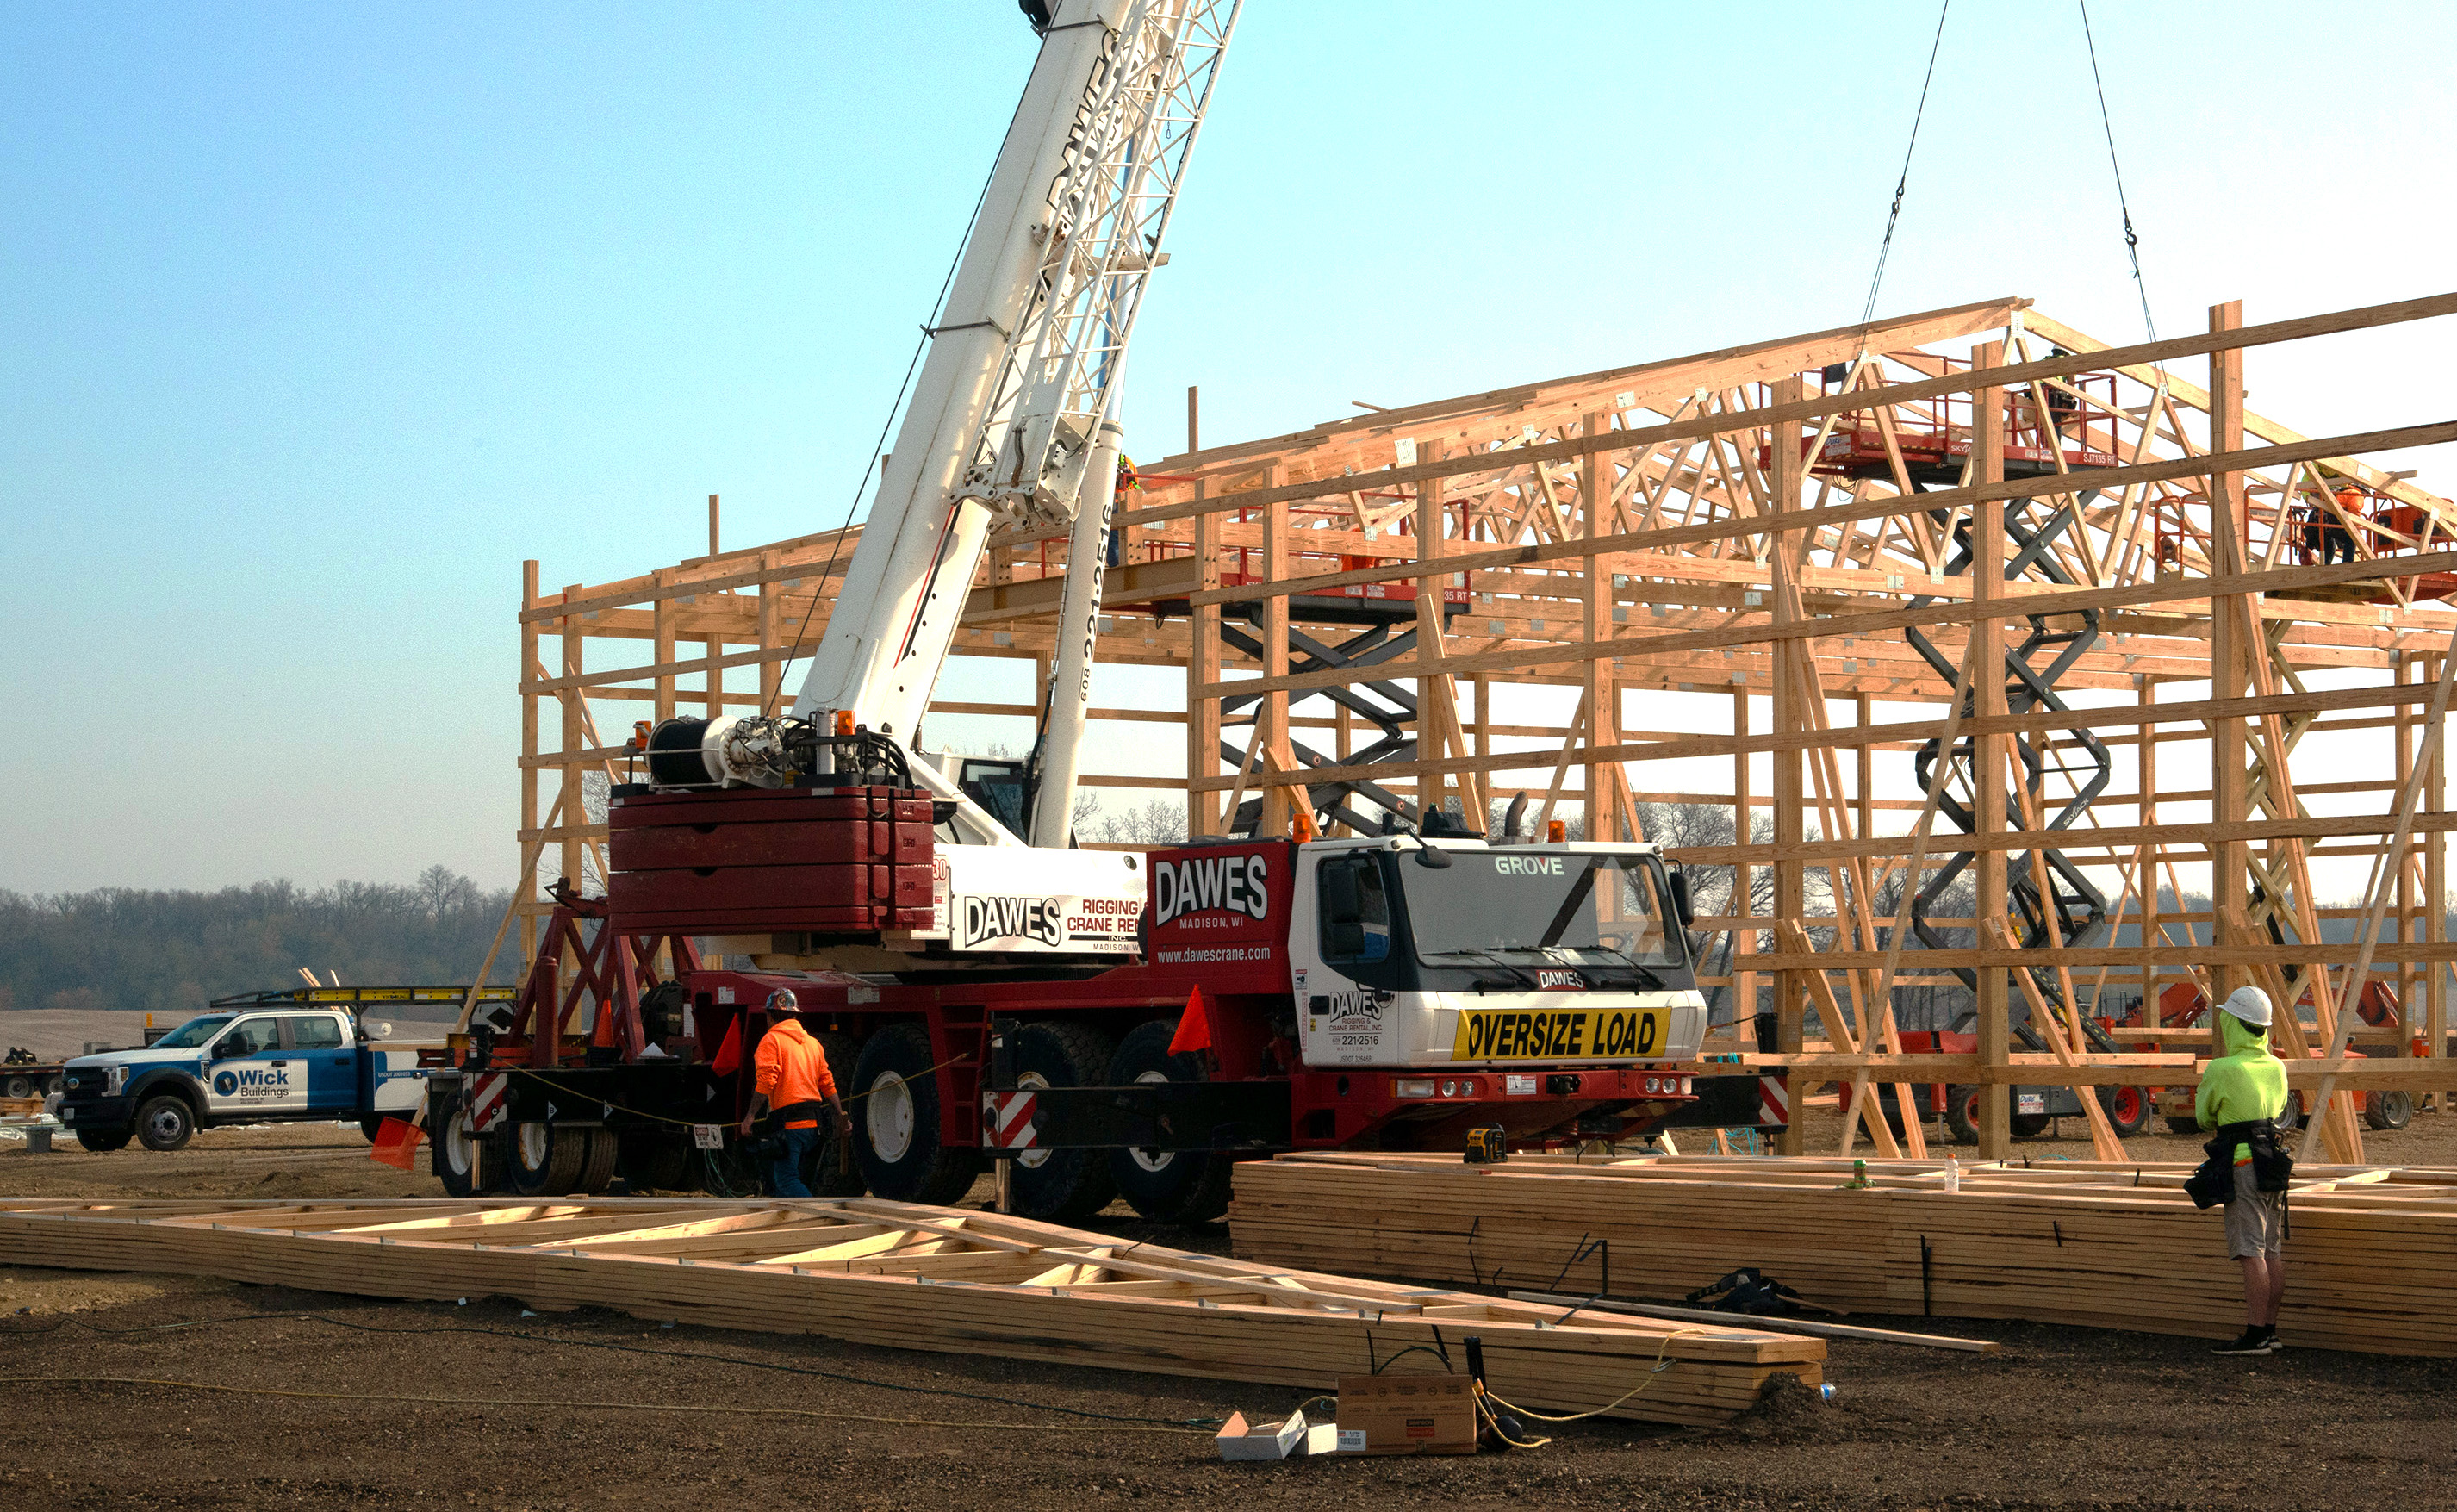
(1528, 908)
(193, 1034)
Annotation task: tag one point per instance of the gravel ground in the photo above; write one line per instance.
(2063, 1418)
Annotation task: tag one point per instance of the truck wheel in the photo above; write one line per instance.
(895, 1122)
(372, 1124)
(2029, 1126)
(2388, 1109)
(2183, 1124)
(1059, 1186)
(1166, 1186)
(103, 1141)
(599, 1149)
(453, 1152)
(831, 1171)
(165, 1123)
(2127, 1108)
(18, 1085)
(656, 1161)
(546, 1161)
(1962, 1115)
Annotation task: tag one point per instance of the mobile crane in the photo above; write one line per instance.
(1110, 1022)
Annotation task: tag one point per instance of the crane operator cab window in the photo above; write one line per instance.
(1355, 910)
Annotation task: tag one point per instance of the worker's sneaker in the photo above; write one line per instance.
(2252, 1342)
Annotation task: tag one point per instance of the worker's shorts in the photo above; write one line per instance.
(2256, 1221)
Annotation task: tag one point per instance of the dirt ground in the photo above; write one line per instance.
(2063, 1418)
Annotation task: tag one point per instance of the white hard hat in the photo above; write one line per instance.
(2251, 1005)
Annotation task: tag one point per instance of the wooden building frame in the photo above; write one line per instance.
(1766, 523)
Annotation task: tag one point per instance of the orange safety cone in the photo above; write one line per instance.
(1194, 1029)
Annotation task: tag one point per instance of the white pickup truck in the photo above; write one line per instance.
(270, 1057)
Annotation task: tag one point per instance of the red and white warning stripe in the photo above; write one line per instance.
(1774, 1102)
(489, 1101)
(1008, 1117)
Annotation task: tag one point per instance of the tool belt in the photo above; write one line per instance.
(793, 1114)
(2213, 1182)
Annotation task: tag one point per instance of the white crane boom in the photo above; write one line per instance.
(1010, 403)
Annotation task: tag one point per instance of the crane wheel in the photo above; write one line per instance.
(894, 1100)
(830, 1169)
(546, 1160)
(656, 1160)
(1166, 1186)
(599, 1153)
(454, 1154)
(1059, 1185)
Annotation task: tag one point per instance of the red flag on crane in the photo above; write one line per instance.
(1194, 1029)
(729, 1055)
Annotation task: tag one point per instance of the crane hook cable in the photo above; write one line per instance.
(2107, 123)
(1885, 249)
(929, 329)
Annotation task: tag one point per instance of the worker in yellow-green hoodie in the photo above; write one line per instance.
(2242, 1092)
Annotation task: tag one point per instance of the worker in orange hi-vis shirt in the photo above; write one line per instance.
(793, 1078)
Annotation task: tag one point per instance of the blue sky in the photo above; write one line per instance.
(321, 318)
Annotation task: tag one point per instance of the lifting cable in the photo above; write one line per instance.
(2131, 239)
(819, 586)
(1885, 249)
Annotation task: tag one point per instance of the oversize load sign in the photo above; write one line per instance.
(1557, 1034)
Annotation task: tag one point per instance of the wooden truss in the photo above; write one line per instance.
(2098, 1245)
(1792, 526)
(930, 1279)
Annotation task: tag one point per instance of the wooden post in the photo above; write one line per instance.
(771, 674)
(524, 886)
(1791, 716)
(2435, 900)
(1988, 752)
(712, 525)
(2230, 669)
(1603, 697)
(661, 615)
(1744, 940)
(2145, 690)
(1194, 419)
(1273, 819)
(1202, 668)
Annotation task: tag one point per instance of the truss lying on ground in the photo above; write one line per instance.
(930, 1279)
(2014, 529)
(2096, 1245)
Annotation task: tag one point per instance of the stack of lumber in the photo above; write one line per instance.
(929, 1278)
(2371, 1255)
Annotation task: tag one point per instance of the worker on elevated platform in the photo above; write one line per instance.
(792, 1076)
(2240, 1095)
(2338, 538)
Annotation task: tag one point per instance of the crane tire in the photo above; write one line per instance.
(547, 1160)
(829, 1171)
(1180, 1187)
(894, 1101)
(598, 1155)
(1059, 1186)
(656, 1160)
(456, 1157)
